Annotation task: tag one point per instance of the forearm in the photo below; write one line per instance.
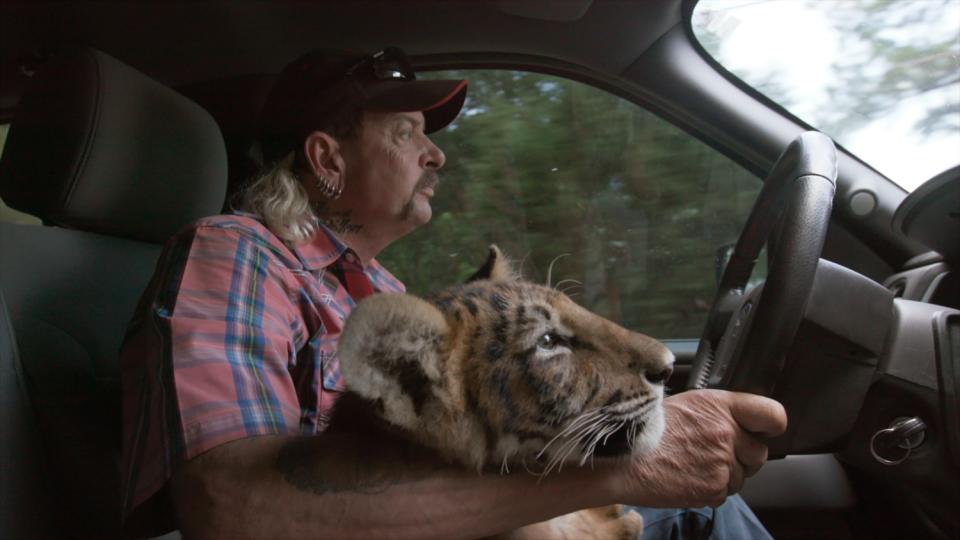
(339, 487)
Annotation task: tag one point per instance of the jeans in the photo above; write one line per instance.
(733, 520)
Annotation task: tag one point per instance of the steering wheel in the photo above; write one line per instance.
(748, 333)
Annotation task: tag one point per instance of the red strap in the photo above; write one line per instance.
(355, 280)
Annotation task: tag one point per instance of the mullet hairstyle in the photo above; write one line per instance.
(276, 195)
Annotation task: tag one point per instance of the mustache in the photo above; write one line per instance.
(429, 179)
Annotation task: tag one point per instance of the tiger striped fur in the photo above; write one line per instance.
(501, 373)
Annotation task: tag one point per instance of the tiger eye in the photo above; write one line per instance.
(550, 341)
(547, 341)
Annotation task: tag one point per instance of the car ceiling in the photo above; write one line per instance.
(186, 42)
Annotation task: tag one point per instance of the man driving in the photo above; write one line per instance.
(230, 368)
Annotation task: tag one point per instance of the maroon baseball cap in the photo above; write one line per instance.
(314, 90)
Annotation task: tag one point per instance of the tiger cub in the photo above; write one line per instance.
(501, 372)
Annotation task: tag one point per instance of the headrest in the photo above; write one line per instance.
(98, 146)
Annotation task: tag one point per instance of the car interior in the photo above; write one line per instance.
(125, 121)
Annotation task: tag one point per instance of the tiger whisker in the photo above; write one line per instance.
(580, 440)
(617, 427)
(609, 422)
(550, 268)
(575, 424)
(590, 439)
(581, 420)
(562, 281)
(603, 436)
(558, 455)
(564, 452)
(634, 428)
(571, 290)
(573, 442)
(526, 467)
(583, 432)
(576, 429)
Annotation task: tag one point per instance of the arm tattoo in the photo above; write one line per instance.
(312, 466)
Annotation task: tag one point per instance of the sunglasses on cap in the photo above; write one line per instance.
(390, 64)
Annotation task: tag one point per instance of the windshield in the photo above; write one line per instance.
(882, 77)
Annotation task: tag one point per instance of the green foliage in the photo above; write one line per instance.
(546, 167)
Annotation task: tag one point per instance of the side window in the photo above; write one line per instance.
(7, 214)
(629, 210)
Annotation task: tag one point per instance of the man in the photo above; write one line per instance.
(230, 371)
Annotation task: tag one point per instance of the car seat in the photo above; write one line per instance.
(113, 163)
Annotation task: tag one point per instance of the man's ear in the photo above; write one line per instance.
(322, 153)
(391, 350)
(496, 268)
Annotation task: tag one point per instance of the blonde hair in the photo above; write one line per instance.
(278, 198)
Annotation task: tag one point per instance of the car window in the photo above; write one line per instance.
(629, 210)
(7, 214)
(882, 78)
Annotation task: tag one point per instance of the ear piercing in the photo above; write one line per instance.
(327, 188)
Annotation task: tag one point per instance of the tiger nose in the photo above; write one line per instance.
(660, 372)
(658, 376)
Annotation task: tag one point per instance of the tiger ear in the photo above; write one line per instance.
(496, 268)
(391, 352)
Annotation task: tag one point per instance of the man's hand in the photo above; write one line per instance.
(709, 446)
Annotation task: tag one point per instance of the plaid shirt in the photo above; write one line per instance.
(236, 336)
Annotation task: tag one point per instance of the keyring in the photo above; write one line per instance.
(882, 459)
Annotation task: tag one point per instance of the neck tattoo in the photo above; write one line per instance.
(340, 222)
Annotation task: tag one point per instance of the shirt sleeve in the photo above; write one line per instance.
(207, 356)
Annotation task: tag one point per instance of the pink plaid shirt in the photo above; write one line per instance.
(236, 336)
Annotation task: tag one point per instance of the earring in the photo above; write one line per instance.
(328, 189)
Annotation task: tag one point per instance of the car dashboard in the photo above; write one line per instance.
(908, 431)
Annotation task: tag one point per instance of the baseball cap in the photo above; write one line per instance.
(313, 91)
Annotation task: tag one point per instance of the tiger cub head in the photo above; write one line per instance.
(501, 371)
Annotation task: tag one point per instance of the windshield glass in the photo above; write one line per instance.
(882, 77)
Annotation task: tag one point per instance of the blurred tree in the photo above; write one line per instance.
(546, 167)
(893, 52)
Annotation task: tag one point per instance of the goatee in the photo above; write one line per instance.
(429, 179)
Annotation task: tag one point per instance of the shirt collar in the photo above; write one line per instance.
(322, 250)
